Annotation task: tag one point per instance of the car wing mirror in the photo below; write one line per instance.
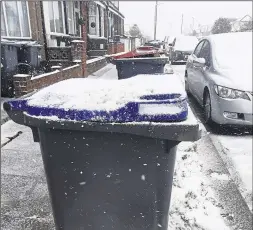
(199, 62)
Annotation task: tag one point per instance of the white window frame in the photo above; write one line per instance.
(102, 21)
(19, 18)
(96, 17)
(74, 10)
(110, 24)
(97, 20)
(63, 19)
(77, 10)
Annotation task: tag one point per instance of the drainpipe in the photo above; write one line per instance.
(66, 17)
(84, 37)
(44, 37)
(108, 24)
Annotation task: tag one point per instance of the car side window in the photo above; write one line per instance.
(174, 42)
(205, 52)
(198, 49)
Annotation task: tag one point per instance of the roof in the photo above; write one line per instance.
(246, 18)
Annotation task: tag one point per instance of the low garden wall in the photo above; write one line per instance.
(24, 83)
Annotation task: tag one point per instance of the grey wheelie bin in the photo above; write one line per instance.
(107, 169)
(9, 62)
(29, 53)
(130, 67)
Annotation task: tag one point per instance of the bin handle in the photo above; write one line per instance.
(15, 104)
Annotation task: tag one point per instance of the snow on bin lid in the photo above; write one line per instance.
(104, 95)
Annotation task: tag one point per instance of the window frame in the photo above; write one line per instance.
(74, 10)
(3, 9)
(200, 43)
(208, 62)
(109, 26)
(93, 14)
(122, 27)
(98, 18)
(102, 25)
(63, 19)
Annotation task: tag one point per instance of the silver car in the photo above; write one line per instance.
(219, 75)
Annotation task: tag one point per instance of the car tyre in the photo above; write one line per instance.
(186, 84)
(207, 109)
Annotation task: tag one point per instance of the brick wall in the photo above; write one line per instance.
(120, 47)
(114, 48)
(24, 84)
(36, 24)
(95, 64)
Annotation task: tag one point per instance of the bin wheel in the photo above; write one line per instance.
(10, 91)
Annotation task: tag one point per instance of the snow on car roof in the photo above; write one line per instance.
(186, 43)
(232, 48)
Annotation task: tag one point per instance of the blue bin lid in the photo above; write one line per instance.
(156, 97)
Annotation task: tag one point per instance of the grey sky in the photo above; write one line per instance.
(170, 13)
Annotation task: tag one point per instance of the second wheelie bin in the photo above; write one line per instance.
(130, 67)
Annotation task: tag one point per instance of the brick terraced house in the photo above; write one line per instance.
(43, 42)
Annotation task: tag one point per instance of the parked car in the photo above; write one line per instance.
(219, 75)
(181, 47)
(167, 41)
(155, 43)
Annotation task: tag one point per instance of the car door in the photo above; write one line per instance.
(191, 71)
(201, 72)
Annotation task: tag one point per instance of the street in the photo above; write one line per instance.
(104, 128)
(208, 193)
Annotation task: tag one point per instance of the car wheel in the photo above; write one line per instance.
(186, 85)
(207, 108)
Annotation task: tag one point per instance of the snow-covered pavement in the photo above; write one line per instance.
(194, 205)
(4, 116)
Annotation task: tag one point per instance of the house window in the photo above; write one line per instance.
(97, 21)
(92, 18)
(111, 26)
(56, 16)
(110, 19)
(3, 23)
(102, 13)
(122, 26)
(73, 11)
(15, 19)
